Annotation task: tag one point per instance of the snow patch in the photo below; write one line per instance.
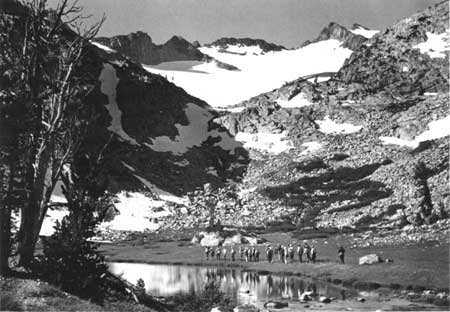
(311, 147)
(297, 101)
(270, 142)
(109, 82)
(103, 47)
(136, 213)
(436, 129)
(194, 134)
(436, 44)
(367, 33)
(243, 49)
(329, 126)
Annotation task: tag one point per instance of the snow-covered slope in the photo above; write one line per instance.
(259, 72)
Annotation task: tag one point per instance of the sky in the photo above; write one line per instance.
(286, 22)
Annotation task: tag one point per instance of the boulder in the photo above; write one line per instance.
(211, 239)
(275, 305)
(221, 309)
(233, 240)
(324, 299)
(304, 297)
(246, 308)
(369, 259)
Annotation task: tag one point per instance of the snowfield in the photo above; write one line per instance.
(329, 126)
(311, 147)
(436, 129)
(270, 142)
(109, 82)
(436, 44)
(258, 72)
(194, 134)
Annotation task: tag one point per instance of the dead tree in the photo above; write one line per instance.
(52, 50)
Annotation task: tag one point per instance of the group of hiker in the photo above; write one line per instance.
(286, 253)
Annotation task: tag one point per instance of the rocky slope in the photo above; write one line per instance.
(367, 147)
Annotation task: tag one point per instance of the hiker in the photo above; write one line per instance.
(207, 249)
(246, 251)
(291, 253)
(241, 253)
(269, 253)
(278, 251)
(281, 253)
(306, 249)
(341, 252)
(232, 252)
(256, 254)
(313, 254)
(218, 253)
(212, 253)
(224, 252)
(300, 253)
(286, 254)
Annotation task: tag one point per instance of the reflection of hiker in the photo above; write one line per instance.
(207, 249)
(232, 252)
(341, 253)
(300, 253)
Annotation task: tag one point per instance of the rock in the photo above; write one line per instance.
(246, 308)
(221, 309)
(304, 297)
(211, 239)
(275, 305)
(233, 240)
(324, 299)
(369, 259)
(360, 299)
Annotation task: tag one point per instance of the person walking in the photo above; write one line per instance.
(269, 253)
(218, 253)
(313, 254)
(256, 254)
(286, 254)
(241, 253)
(306, 250)
(278, 250)
(300, 253)
(281, 253)
(291, 253)
(207, 249)
(224, 252)
(341, 253)
(246, 254)
(232, 253)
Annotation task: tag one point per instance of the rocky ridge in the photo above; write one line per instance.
(265, 46)
(335, 31)
(139, 47)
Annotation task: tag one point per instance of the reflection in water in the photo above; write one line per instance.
(246, 287)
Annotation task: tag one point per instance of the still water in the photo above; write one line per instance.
(245, 287)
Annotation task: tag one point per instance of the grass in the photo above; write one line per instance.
(28, 294)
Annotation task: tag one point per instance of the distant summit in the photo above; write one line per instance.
(248, 42)
(350, 39)
(139, 47)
